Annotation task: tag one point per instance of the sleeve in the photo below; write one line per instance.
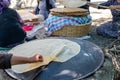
(108, 3)
(5, 60)
(52, 2)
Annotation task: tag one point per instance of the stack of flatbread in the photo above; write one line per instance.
(69, 12)
(28, 17)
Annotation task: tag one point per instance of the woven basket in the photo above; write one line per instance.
(73, 31)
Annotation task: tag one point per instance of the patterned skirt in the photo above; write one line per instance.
(109, 29)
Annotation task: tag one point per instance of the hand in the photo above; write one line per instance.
(92, 5)
(23, 60)
(33, 12)
(113, 7)
(36, 58)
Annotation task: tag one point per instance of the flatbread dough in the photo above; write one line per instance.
(59, 50)
(74, 3)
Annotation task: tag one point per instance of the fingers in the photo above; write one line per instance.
(36, 58)
(39, 57)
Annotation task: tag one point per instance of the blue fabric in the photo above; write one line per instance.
(43, 10)
(37, 8)
(109, 30)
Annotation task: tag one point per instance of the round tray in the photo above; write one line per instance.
(89, 59)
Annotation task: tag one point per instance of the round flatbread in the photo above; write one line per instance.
(59, 50)
(68, 10)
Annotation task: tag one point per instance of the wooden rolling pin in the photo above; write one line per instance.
(106, 7)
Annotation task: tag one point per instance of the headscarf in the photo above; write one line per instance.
(3, 4)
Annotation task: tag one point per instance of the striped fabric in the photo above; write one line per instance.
(54, 23)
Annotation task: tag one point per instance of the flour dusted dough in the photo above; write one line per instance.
(59, 50)
(69, 12)
(74, 3)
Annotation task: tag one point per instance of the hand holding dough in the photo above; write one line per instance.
(59, 50)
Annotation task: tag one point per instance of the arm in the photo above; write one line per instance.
(113, 7)
(104, 5)
(6, 60)
(22, 60)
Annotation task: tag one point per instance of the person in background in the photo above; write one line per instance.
(85, 6)
(7, 60)
(110, 29)
(45, 6)
(11, 32)
(36, 11)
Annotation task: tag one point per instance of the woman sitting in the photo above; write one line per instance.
(11, 32)
(110, 29)
(45, 6)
